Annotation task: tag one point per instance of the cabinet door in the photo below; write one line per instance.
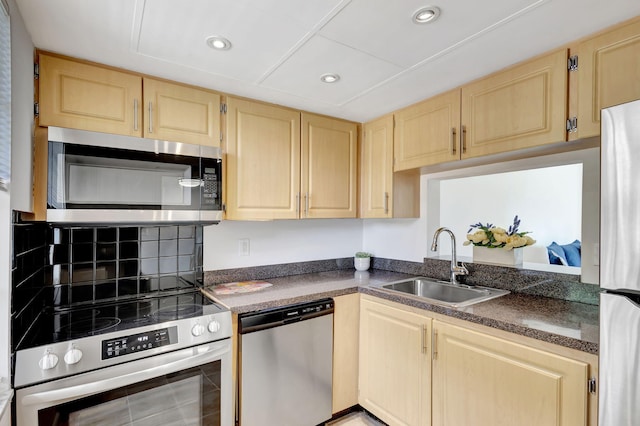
(377, 168)
(395, 364)
(521, 107)
(608, 74)
(428, 132)
(329, 167)
(346, 326)
(180, 113)
(263, 161)
(487, 381)
(82, 96)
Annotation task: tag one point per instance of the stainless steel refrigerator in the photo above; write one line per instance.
(619, 395)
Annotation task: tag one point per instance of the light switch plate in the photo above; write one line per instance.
(243, 247)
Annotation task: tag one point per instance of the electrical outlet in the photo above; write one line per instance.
(243, 247)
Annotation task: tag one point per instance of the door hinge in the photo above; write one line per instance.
(36, 71)
(223, 108)
(572, 63)
(572, 124)
(591, 385)
(36, 109)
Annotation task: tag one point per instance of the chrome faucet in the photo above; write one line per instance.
(455, 268)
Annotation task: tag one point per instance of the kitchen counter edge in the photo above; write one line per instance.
(508, 313)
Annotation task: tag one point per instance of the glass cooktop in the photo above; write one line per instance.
(58, 326)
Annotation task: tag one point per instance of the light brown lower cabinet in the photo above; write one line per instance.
(395, 363)
(346, 320)
(421, 368)
(485, 380)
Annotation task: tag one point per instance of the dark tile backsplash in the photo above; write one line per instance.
(60, 266)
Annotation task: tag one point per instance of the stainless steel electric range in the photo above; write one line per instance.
(157, 360)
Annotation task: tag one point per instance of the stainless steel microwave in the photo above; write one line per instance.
(103, 178)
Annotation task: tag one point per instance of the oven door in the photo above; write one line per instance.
(186, 387)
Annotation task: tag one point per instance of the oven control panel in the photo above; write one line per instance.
(139, 342)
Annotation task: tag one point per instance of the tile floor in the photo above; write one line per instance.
(356, 419)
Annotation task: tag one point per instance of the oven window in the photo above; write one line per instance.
(189, 397)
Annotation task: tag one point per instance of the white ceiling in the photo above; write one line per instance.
(281, 47)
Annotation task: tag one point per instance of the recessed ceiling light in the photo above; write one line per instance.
(426, 14)
(218, 43)
(329, 78)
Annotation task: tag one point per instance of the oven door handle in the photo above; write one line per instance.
(77, 391)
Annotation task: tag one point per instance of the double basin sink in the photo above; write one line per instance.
(442, 293)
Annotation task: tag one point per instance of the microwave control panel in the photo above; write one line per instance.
(210, 190)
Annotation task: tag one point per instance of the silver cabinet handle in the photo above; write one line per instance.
(453, 141)
(150, 117)
(464, 139)
(424, 339)
(135, 115)
(386, 203)
(434, 344)
(306, 205)
(297, 204)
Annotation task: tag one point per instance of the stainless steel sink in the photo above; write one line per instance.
(441, 292)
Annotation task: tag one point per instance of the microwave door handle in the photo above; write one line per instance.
(190, 183)
(78, 391)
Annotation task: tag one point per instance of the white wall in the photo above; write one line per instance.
(282, 241)
(547, 200)
(590, 206)
(400, 239)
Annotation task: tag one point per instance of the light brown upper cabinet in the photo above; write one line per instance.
(520, 107)
(383, 193)
(180, 113)
(428, 132)
(329, 167)
(263, 161)
(608, 74)
(84, 96)
(278, 169)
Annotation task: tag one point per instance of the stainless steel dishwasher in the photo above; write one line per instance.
(286, 365)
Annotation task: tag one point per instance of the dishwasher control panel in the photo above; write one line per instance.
(317, 308)
(260, 320)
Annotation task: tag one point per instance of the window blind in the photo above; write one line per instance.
(5, 97)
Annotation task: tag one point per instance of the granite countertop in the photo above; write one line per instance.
(570, 324)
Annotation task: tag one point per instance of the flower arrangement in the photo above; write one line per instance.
(487, 235)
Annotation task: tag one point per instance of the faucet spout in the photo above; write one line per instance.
(455, 268)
